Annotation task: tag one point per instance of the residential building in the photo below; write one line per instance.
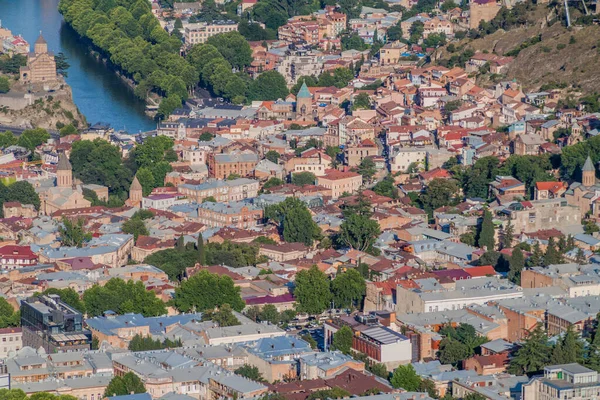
(49, 323)
(221, 191)
(277, 358)
(531, 216)
(327, 364)
(431, 296)
(11, 341)
(199, 33)
(223, 165)
(378, 342)
(571, 381)
(340, 182)
(238, 214)
(14, 257)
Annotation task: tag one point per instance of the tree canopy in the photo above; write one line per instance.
(205, 291)
(122, 297)
(294, 221)
(312, 292)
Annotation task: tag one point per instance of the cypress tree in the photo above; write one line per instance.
(486, 233)
(552, 256)
(201, 250)
(535, 260)
(517, 263)
(179, 245)
(508, 236)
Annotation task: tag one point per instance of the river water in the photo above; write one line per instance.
(98, 92)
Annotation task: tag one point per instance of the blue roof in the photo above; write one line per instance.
(156, 324)
(279, 346)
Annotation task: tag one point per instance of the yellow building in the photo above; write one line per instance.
(41, 66)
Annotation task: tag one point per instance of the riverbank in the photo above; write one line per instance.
(151, 103)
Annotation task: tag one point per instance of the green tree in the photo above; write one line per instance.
(359, 232)
(439, 193)
(272, 182)
(269, 313)
(234, 48)
(4, 84)
(517, 263)
(7, 139)
(312, 292)
(361, 101)
(205, 291)
(8, 316)
(20, 191)
(367, 168)
(509, 232)
(251, 372)
(294, 221)
(342, 340)
(100, 163)
(122, 297)
(310, 340)
(348, 289)
(394, 33)
(405, 377)
(73, 233)
(536, 257)
(568, 349)
(533, 355)
(224, 316)
(486, 235)
(124, 385)
(272, 156)
(67, 130)
(270, 85)
(551, 256)
(453, 351)
(380, 370)
(135, 227)
(68, 296)
(32, 138)
(386, 187)
(201, 250)
(303, 178)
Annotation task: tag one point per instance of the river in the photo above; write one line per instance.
(98, 92)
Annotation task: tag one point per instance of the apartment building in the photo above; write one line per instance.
(531, 216)
(222, 191)
(223, 165)
(239, 214)
(200, 32)
(567, 381)
(49, 323)
(431, 296)
(11, 341)
(340, 182)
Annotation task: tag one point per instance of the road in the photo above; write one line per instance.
(18, 131)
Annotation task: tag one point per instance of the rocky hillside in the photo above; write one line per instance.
(45, 113)
(552, 54)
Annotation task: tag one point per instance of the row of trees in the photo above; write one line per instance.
(29, 139)
(131, 36)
